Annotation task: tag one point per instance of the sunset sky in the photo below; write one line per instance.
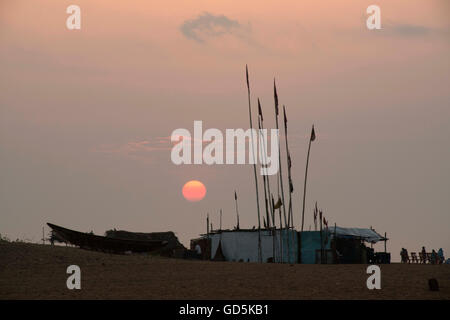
(86, 115)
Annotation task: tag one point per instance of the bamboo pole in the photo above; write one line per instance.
(321, 241)
(280, 171)
(291, 187)
(313, 136)
(264, 165)
(254, 166)
(289, 165)
(266, 180)
(237, 211)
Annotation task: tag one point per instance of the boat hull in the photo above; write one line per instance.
(99, 243)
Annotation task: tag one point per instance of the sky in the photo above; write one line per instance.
(86, 115)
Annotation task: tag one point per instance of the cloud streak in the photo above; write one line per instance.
(406, 30)
(207, 26)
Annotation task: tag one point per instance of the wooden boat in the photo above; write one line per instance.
(93, 242)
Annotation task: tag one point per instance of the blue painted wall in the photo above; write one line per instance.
(310, 242)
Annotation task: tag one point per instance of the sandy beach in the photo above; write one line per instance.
(31, 271)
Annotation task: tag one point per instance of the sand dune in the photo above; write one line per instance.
(31, 271)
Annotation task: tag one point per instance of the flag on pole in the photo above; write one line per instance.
(259, 110)
(275, 97)
(235, 195)
(313, 134)
(289, 160)
(246, 74)
(278, 204)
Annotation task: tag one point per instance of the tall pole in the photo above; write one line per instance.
(289, 165)
(266, 180)
(278, 206)
(208, 247)
(220, 219)
(280, 172)
(313, 137)
(263, 155)
(291, 186)
(254, 166)
(237, 211)
(275, 96)
(321, 241)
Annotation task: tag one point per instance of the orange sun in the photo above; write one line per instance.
(194, 191)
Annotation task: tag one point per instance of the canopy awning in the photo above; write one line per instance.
(369, 235)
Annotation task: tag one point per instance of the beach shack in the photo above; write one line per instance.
(242, 245)
(329, 246)
(341, 245)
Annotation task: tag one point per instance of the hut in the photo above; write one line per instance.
(242, 245)
(341, 245)
(329, 246)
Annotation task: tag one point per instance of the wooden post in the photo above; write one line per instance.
(237, 211)
(263, 154)
(255, 157)
(280, 171)
(313, 137)
(321, 241)
(385, 240)
(291, 188)
(335, 243)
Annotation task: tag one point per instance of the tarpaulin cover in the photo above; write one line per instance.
(243, 245)
(366, 234)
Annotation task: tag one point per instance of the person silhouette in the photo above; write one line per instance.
(441, 256)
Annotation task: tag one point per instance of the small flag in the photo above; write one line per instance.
(235, 195)
(315, 213)
(275, 97)
(313, 134)
(259, 110)
(291, 186)
(289, 160)
(246, 74)
(278, 204)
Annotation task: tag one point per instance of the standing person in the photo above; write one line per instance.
(441, 256)
(406, 256)
(424, 255)
(402, 255)
(433, 257)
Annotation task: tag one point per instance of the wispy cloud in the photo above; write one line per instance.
(137, 148)
(208, 25)
(405, 29)
(144, 147)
